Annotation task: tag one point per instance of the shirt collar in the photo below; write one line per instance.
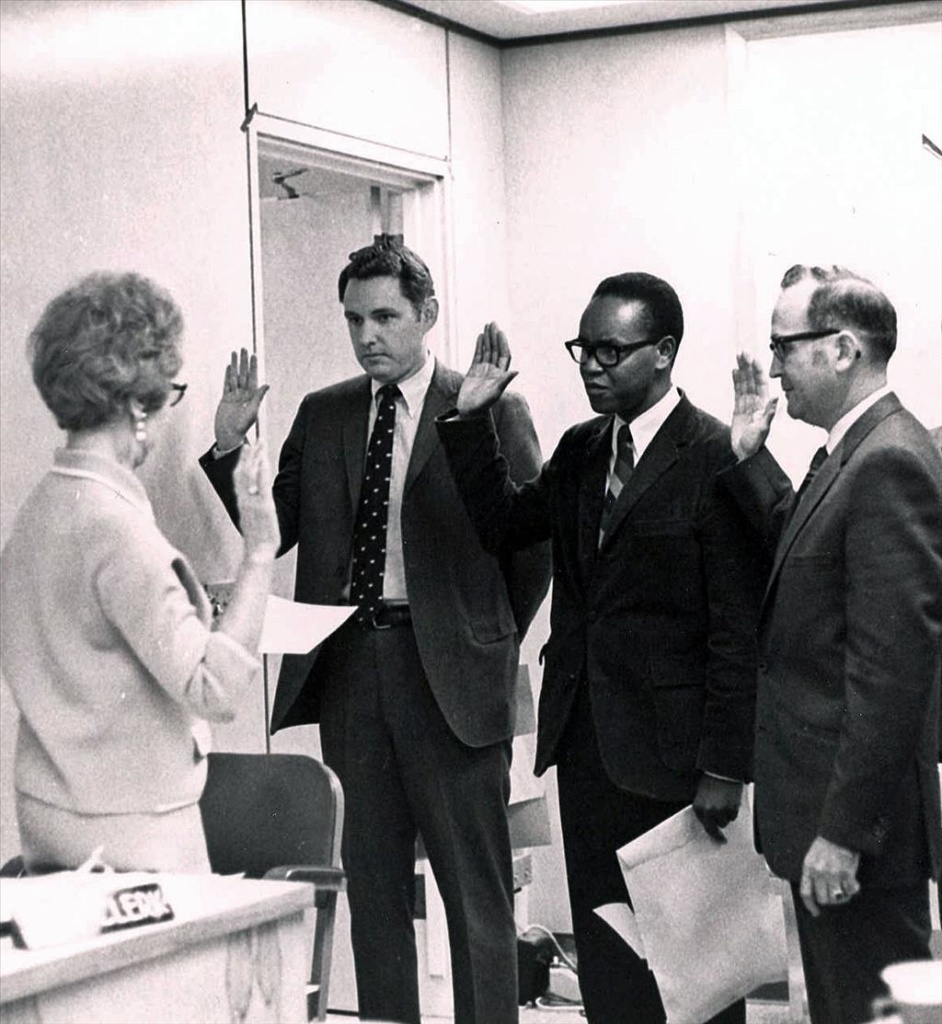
(850, 418)
(648, 423)
(104, 470)
(414, 388)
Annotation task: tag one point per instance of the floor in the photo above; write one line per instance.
(756, 1013)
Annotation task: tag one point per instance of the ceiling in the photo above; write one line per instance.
(507, 20)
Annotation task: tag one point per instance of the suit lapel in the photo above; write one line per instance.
(657, 459)
(354, 430)
(441, 396)
(592, 489)
(827, 475)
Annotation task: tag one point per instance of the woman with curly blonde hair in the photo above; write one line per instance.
(109, 647)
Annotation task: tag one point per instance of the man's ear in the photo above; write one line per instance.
(429, 315)
(666, 351)
(849, 350)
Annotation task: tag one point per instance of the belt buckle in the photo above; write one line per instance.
(377, 625)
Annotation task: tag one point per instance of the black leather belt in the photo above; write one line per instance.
(389, 615)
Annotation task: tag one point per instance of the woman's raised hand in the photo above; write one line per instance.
(258, 520)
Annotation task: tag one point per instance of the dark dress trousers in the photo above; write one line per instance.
(417, 720)
(649, 675)
(848, 692)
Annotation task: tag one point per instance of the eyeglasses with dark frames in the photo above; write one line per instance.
(179, 390)
(779, 342)
(606, 355)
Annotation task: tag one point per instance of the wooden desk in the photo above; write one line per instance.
(236, 951)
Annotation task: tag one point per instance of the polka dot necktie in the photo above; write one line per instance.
(624, 465)
(369, 530)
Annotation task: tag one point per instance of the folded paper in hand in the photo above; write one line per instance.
(707, 916)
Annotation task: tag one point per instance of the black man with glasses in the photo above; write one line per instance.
(649, 681)
(850, 634)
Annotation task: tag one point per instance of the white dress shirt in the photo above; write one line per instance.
(643, 428)
(844, 424)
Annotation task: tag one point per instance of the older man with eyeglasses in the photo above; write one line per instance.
(649, 682)
(850, 637)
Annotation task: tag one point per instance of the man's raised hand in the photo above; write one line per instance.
(489, 373)
(241, 397)
(753, 409)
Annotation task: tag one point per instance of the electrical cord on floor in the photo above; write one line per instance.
(557, 1004)
(560, 952)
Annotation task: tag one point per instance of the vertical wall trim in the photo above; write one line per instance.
(446, 213)
(448, 88)
(744, 282)
(245, 61)
(258, 324)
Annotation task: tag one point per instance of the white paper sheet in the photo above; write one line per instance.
(622, 918)
(707, 916)
(292, 627)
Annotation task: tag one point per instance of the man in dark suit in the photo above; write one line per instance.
(648, 691)
(847, 789)
(415, 694)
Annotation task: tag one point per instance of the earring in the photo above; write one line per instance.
(140, 428)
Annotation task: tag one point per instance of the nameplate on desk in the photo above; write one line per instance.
(140, 904)
(68, 906)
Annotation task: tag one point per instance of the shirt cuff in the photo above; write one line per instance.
(221, 453)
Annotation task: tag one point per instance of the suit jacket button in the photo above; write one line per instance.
(763, 667)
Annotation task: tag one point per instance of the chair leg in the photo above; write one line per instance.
(322, 956)
(797, 994)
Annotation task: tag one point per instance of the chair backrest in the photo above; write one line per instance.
(268, 810)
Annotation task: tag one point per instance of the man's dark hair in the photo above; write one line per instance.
(842, 299)
(660, 301)
(388, 257)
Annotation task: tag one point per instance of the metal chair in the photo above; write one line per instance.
(280, 816)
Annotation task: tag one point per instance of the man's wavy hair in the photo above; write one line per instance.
(389, 257)
(107, 339)
(843, 299)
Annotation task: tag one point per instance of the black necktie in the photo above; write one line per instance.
(816, 463)
(624, 464)
(369, 530)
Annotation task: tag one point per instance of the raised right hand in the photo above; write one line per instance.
(241, 397)
(489, 373)
(258, 520)
(753, 409)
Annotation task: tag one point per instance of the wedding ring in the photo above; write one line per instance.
(840, 896)
(253, 489)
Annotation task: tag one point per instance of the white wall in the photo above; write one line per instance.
(834, 171)
(350, 67)
(121, 150)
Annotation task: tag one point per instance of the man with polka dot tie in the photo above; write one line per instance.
(415, 693)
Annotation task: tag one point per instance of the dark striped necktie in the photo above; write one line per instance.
(369, 529)
(817, 462)
(624, 465)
